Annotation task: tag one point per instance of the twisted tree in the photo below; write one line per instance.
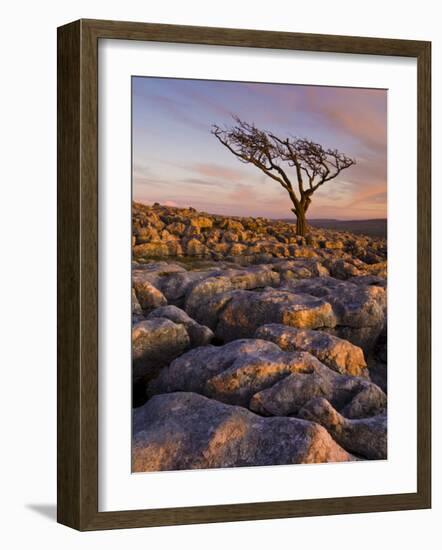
(312, 164)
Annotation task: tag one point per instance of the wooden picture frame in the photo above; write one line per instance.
(78, 274)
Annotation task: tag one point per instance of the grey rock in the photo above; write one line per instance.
(338, 354)
(355, 397)
(155, 343)
(252, 373)
(367, 437)
(247, 311)
(199, 335)
(247, 279)
(360, 310)
(182, 431)
(193, 369)
(149, 297)
(137, 312)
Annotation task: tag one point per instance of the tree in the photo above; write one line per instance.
(312, 164)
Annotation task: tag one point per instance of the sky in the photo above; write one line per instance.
(178, 162)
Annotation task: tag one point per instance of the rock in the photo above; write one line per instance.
(155, 343)
(146, 234)
(247, 311)
(360, 311)
(148, 296)
(206, 289)
(342, 269)
(150, 249)
(378, 270)
(340, 355)
(175, 286)
(252, 373)
(207, 312)
(231, 225)
(176, 228)
(300, 269)
(202, 222)
(183, 431)
(367, 280)
(354, 305)
(353, 396)
(237, 249)
(136, 308)
(192, 370)
(199, 335)
(195, 248)
(333, 245)
(367, 437)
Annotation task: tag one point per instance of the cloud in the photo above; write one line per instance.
(375, 195)
(219, 171)
(178, 109)
(361, 114)
(199, 181)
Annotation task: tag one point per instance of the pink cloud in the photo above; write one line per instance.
(362, 115)
(217, 171)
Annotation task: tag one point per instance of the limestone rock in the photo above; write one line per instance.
(252, 373)
(247, 311)
(202, 222)
(192, 370)
(148, 296)
(338, 354)
(355, 397)
(186, 431)
(155, 343)
(367, 437)
(206, 289)
(199, 335)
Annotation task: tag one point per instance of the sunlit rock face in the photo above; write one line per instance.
(338, 354)
(181, 431)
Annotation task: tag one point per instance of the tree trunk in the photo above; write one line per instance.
(301, 223)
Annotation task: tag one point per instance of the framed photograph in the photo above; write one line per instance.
(228, 203)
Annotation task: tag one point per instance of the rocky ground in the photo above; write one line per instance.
(253, 346)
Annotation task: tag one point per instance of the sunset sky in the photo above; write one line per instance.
(177, 161)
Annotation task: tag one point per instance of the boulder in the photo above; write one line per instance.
(146, 234)
(202, 222)
(149, 297)
(199, 335)
(193, 369)
(151, 249)
(354, 305)
(342, 269)
(250, 278)
(367, 437)
(155, 343)
(355, 397)
(136, 308)
(252, 373)
(360, 310)
(181, 431)
(247, 311)
(338, 354)
(175, 285)
(299, 269)
(195, 248)
(231, 225)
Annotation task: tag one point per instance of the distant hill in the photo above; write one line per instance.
(373, 228)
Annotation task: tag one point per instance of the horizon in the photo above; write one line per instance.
(270, 218)
(177, 162)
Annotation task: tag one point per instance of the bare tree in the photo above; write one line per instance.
(312, 164)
